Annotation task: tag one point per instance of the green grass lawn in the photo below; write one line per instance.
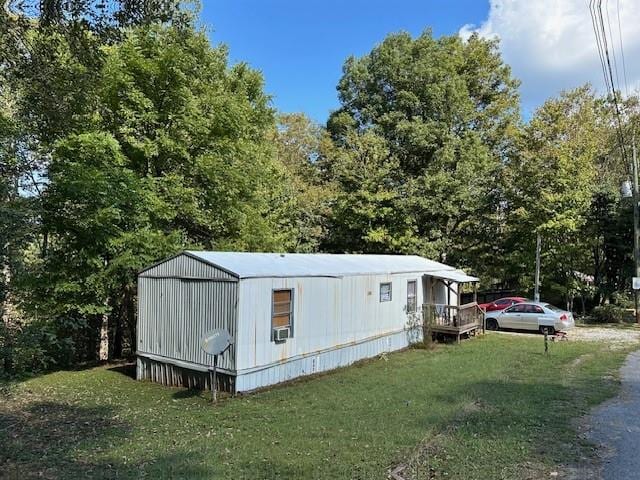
(492, 407)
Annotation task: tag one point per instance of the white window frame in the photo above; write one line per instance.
(390, 292)
(415, 297)
(291, 309)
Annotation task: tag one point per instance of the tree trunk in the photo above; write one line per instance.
(6, 308)
(45, 244)
(131, 317)
(117, 336)
(103, 354)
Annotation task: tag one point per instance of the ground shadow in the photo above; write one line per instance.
(50, 440)
(188, 393)
(126, 369)
(38, 438)
(519, 330)
(123, 366)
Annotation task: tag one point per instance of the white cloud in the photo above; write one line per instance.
(551, 46)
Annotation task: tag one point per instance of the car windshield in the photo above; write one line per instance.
(553, 308)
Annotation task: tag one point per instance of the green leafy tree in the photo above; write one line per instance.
(168, 147)
(194, 128)
(551, 186)
(609, 230)
(90, 202)
(445, 112)
(369, 211)
(303, 197)
(18, 213)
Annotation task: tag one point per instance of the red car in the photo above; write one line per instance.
(501, 303)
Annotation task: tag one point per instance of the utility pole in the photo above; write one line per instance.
(636, 222)
(536, 293)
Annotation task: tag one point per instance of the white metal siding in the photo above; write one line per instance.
(435, 291)
(175, 313)
(320, 362)
(329, 314)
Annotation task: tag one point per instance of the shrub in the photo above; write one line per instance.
(611, 314)
(623, 300)
(33, 347)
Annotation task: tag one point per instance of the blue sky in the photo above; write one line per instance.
(300, 46)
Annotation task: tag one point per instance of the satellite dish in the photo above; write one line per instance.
(216, 341)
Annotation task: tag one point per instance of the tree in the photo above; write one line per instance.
(304, 197)
(167, 148)
(609, 229)
(368, 214)
(90, 203)
(444, 112)
(551, 186)
(194, 128)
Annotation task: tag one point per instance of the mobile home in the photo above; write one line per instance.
(289, 314)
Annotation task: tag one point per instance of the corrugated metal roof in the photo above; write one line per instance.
(454, 275)
(253, 265)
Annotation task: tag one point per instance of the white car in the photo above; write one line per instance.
(537, 316)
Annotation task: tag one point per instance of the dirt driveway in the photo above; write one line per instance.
(612, 335)
(604, 334)
(614, 427)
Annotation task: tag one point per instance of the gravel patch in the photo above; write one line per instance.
(611, 335)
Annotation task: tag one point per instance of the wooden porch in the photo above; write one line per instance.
(443, 314)
(454, 320)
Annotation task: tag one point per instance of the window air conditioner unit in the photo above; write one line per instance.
(281, 334)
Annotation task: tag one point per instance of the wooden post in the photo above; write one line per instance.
(636, 226)
(536, 293)
(431, 291)
(426, 331)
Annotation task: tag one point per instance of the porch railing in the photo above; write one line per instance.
(441, 315)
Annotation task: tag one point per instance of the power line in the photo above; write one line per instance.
(597, 18)
(599, 45)
(613, 50)
(624, 66)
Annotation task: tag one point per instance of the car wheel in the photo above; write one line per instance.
(547, 330)
(492, 324)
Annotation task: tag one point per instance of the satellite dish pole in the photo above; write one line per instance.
(214, 383)
(215, 343)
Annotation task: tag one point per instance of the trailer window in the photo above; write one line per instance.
(282, 309)
(385, 292)
(412, 296)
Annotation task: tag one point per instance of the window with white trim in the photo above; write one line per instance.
(385, 292)
(412, 296)
(282, 310)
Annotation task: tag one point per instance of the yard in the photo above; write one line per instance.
(493, 407)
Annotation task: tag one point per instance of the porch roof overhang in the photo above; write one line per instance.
(457, 276)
